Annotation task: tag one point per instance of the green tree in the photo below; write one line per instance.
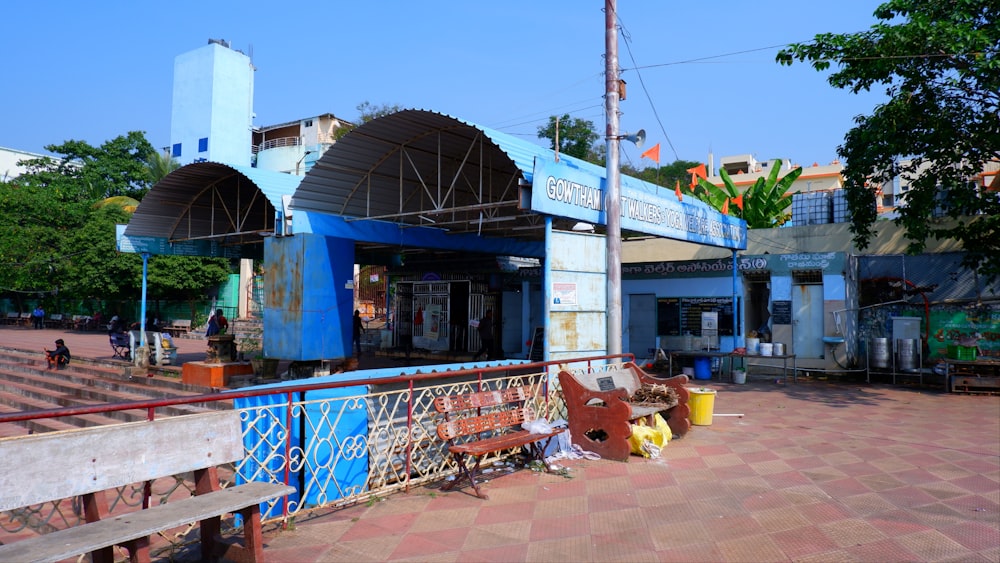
(185, 277)
(938, 64)
(60, 221)
(93, 266)
(118, 167)
(37, 222)
(368, 111)
(576, 136)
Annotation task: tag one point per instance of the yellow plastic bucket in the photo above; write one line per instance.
(702, 403)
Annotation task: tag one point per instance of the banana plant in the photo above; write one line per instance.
(763, 205)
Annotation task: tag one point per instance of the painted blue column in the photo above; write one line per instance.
(309, 297)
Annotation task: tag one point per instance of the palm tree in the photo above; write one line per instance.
(161, 164)
(126, 203)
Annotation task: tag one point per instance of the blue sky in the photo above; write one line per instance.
(95, 70)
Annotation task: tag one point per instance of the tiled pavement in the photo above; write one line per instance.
(813, 471)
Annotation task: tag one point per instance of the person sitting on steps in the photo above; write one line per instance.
(58, 358)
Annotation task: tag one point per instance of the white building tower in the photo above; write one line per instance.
(212, 113)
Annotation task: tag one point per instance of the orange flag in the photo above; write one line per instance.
(677, 190)
(725, 207)
(653, 153)
(697, 172)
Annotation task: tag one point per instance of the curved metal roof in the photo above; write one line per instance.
(411, 168)
(419, 167)
(212, 200)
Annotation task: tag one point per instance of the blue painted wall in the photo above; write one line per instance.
(309, 297)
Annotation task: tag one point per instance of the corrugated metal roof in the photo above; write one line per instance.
(212, 200)
(413, 167)
(941, 278)
(425, 168)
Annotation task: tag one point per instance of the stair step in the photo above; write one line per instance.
(158, 386)
(65, 393)
(22, 403)
(27, 385)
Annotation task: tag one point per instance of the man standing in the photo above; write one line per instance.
(356, 331)
(485, 336)
(38, 317)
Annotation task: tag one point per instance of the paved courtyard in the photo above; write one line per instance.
(811, 472)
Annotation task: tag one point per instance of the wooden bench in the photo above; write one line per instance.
(178, 327)
(12, 318)
(600, 412)
(55, 320)
(42, 468)
(477, 424)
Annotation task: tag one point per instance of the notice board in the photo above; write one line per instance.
(781, 312)
(677, 316)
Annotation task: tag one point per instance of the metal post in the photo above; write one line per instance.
(736, 314)
(546, 292)
(613, 189)
(142, 308)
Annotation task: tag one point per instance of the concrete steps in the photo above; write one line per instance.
(27, 385)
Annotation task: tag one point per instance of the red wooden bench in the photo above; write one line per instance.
(601, 416)
(481, 423)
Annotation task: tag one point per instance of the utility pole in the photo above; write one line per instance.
(613, 188)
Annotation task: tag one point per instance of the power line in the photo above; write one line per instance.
(549, 115)
(656, 114)
(710, 57)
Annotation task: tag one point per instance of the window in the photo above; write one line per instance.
(175, 151)
(807, 277)
(203, 144)
(307, 123)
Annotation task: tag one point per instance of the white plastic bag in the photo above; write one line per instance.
(538, 426)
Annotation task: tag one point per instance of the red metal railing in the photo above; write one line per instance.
(399, 449)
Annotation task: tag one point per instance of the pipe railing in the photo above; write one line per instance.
(336, 442)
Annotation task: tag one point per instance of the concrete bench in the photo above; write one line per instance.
(160, 353)
(600, 412)
(87, 462)
(497, 414)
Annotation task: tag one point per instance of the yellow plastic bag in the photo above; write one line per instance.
(647, 441)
